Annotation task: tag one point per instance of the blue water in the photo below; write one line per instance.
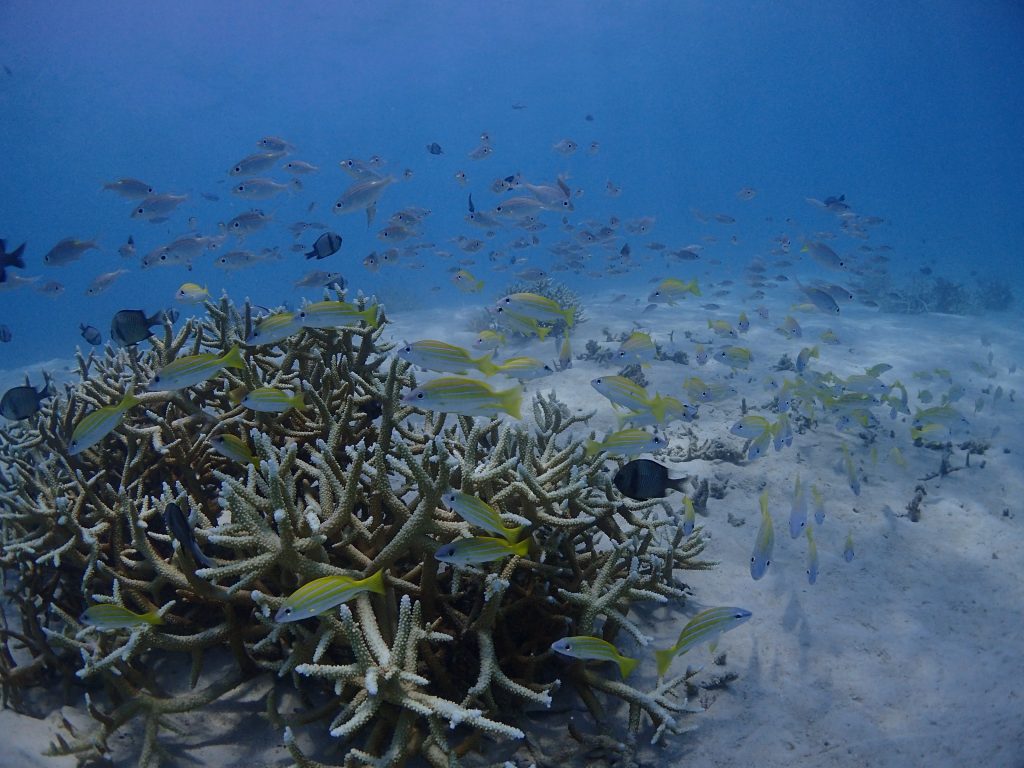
(914, 111)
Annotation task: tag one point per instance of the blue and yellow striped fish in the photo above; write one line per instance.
(706, 626)
(320, 595)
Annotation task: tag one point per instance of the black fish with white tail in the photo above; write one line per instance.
(643, 479)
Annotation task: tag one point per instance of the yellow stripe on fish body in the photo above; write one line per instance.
(812, 557)
(538, 307)
(722, 328)
(111, 616)
(337, 314)
(622, 391)
(525, 368)
(325, 593)
(639, 347)
(232, 447)
(765, 542)
(273, 400)
(195, 369)
(469, 397)
(706, 626)
(274, 329)
(735, 357)
(440, 356)
(481, 514)
(589, 647)
(626, 442)
(750, 426)
(98, 424)
(689, 516)
(672, 289)
(523, 325)
(480, 549)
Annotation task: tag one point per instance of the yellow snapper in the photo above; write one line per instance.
(525, 368)
(336, 314)
(589, 647)
(446, 358)
(273, 400)
(98, 424)
(323, 594)
(480, 549)
(274, 329)
(232, 447)
(468, 397)
(194, 369)
(672, 290)
(626, 442)
(481, 514)
(466, 282)
(110, 616)
(705, 627)
(536, 307)
(192, 293)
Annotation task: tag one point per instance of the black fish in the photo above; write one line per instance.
(21, 402)
(130, 326)
(434, 148)
(177, 524)
(91, 334)
(643, 479)
(5, 334)
(472, 208)
(12, 259)
(326, 245)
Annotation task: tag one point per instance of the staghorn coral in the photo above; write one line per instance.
(349, 485)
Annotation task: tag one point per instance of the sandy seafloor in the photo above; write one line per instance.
(910, 655)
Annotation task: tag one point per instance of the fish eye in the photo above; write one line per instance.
(238, 169)
(287, 611)
(419, 395)
(139, 210)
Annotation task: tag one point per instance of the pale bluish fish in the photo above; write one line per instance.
(273, 329)
(706, 626)
(848, 547)
(589, 647)
(819, 505)
(812, 557)
(480, 549)
(765, 542)
(798, 510)
(325, 593)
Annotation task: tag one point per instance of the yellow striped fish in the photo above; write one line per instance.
(272, 400)
(469, 397)
(194, 369)
(320, 595)
(706, 626)
(480, 549)
(111, 616)
(481, 514)
(765, 542)
(590, 647)
(98, 424)
(335, 314)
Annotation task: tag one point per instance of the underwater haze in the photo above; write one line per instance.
(741, 281)
(914, 112)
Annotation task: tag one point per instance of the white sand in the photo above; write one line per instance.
(910, 655)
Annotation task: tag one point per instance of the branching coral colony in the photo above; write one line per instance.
(350, 485)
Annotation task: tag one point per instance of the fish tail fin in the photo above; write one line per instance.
(371, 212)
(626, 665)
(511, 399)
(679, 484)
(512, 534)
(129, 400)
(592, 448)
(542, 332)
(369, 316)
(233, 358)
(693, 287)
(570, 316)
(486, 365)
(375, 583)
(664, 659)
(298, 401)
(13, 259)
(659, 408)
(152, 617)
(199, 557)
(521, 548)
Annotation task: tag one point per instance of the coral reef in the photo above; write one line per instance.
(349, 485)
